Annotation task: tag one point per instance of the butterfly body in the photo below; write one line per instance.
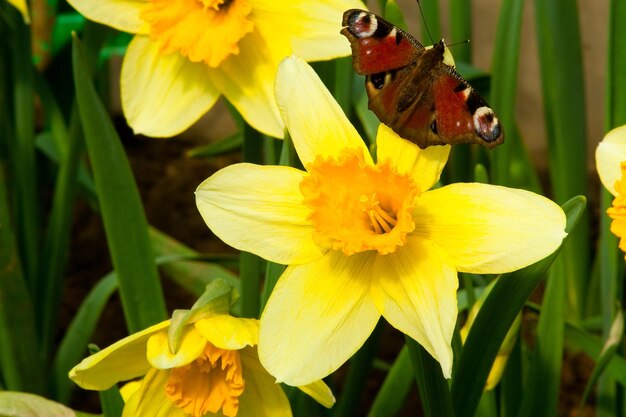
(412, 90)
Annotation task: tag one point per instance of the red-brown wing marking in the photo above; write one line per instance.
(377, 45)
(413, 123)
(454, 121)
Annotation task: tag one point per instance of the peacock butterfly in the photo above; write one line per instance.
(412, 90)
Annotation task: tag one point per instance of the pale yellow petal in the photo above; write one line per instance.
(317, 124)
(150, 399)
(23, 9)
(247, 81)
(259, 209)
(160, 356)
(489, 229)
(123, 360)
(416, 293)
(162, 95)
(24, 404)
(262, 396)
(122, 15)
(313, 26)
(423, 165)
(320, 392)
(317, 317)
(129, 388)
(609, 154)
(228, 332)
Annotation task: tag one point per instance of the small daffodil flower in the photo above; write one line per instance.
(363, 237)
(203, 362)
(611, 166)
(187, 53)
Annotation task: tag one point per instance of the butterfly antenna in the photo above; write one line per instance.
(419, 5)
(458, 43)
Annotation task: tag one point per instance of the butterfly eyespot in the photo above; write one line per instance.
(362, 24)
(433, 127)
(378, 80)
(486, 124)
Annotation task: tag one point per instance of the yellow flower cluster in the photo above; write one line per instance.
(363, 236)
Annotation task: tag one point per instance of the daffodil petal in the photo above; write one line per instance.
(161, 357)
(150, 398)
(489, 229)
(129, 388)
(122, 15)
(320, 392)
(609, 154)
(228, 332)
(23, 9)
(423, 165)
(262, 396)
(123, 360)
(317, 124)
(162, 95)
(247, 81)
(318, 315)
(313, 26)
(259, 209)
(417, 295)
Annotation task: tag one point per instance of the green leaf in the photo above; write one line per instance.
(391, 395)
(431, 24)
(581, 339)
(22, 153)
(219, 147)
(193, 275)
(432, 386)
(504, 86)
(609, 350)
(558, 36)
(461, 28)
(20, 368)
(541, 390)
(494, 320)
(393, 14)
(122, 213)
(79, 332)
(359, 367)
(616, 68)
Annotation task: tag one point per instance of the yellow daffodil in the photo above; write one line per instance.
(611, 166)
(364, 238)
(186, 53)
(23, 9)
(200, 363)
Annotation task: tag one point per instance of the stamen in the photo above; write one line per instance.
(382, 221)
(357, 207)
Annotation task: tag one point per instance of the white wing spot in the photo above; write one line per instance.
(485, 121)
(366, 29)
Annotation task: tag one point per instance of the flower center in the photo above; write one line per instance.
(212, 382)
(618, 211)
(202, 30)
(356, 207)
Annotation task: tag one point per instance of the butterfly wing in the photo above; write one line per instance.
(377, 45)
(447, 111)
(412, 91)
